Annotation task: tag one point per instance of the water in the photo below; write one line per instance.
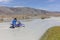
(33, 29)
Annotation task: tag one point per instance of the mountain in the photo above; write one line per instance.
(5, 10)
(20, 10)
(25, 12)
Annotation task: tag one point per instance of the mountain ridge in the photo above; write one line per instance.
(26, 12)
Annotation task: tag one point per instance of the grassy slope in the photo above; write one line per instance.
(52, 34)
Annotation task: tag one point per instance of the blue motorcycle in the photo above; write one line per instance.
(17, 25)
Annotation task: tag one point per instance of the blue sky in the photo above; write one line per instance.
(51, 5)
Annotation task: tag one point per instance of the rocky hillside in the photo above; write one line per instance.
(25, 12)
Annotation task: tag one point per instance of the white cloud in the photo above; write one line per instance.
(18, 6)
(43, 8)
(5, 1)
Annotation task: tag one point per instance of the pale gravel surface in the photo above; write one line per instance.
(33, 29)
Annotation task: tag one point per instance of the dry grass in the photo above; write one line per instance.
(52, 34)
(19, 17)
